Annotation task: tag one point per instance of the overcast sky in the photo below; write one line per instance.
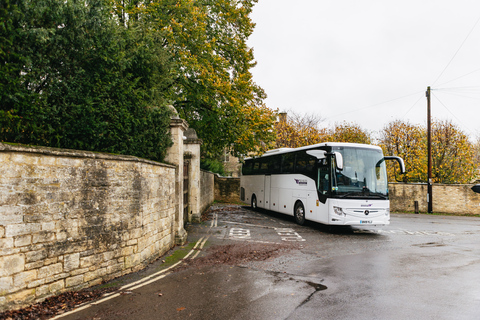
(370, 61)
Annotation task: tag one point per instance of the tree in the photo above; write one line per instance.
(350, 132)
(78, 79)
(296, 130)
(408, 142)
(213, 88)
(453, 155)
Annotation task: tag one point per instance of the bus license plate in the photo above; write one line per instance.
(365, 221)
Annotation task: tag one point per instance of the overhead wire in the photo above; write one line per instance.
(413, 105)
(374, 105)
(467, 74)
(446, 108)
(456, 52)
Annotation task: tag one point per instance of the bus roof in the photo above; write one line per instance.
(323, 144)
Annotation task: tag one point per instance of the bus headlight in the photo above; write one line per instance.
(338, 211)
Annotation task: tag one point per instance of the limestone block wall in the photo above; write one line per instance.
(447, 198)
(227, 189)
(71, 219)
(207, 195)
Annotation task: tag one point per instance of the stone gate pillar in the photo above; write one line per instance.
(192, 153)
(175, 156)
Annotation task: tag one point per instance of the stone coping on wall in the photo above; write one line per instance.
(7, 147)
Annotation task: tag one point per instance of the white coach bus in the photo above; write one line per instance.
(330, 183)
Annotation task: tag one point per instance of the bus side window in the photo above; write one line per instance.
(264, 167)
(276, 164)
(287, 163)
(256, 167)
(247, 168)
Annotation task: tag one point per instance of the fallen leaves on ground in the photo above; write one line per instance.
(55, 305)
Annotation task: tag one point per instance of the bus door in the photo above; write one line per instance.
(267, 191)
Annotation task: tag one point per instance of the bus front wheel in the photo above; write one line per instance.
(254, 202)
(299, 213)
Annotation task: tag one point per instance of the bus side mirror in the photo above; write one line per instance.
(399, 160)
(339, 160)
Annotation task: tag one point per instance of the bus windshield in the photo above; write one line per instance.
(364, 174)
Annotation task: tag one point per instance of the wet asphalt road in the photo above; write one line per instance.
(418, 267)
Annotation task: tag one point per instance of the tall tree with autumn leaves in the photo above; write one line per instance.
(453, 155)
(213, 87)
(297, 130)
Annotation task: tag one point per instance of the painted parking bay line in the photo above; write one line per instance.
(239, 233)
(288, 234)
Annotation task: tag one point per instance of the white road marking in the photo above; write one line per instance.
(289, 234)
(239, 233)
(140, 283)
(412, 233)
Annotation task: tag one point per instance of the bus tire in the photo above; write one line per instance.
(299, 213)
(254, 202)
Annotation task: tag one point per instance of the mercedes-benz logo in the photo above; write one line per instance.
(366, 212)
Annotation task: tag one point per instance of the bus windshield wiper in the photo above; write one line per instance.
(350, 194)
(377, 194)
(360, 194)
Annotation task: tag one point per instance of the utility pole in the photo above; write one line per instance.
(429, 147)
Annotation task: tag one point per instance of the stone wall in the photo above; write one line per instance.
(447, 198)
(227, 189)
(207, 195)
(70, 219)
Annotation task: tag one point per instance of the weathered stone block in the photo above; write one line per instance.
(78, 271)
(34, 265)
(91, 260)
(6, 243)
(22, 229)
(22, 241)
(42, 291)
(89, 276)
(56, 286)
(24, 296)
(132, 260)
(10, 216)
(71, 261)
(36, 255)
(50, 261)
(74, 281)
(50, 270)
(36, 283)
(48, 226)
(56, 277)
(20, 280)
(12, 264)
(6, 285)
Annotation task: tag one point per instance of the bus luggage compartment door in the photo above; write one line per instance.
(267, 191)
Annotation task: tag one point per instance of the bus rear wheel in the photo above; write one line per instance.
(299, 213)
(254, 202)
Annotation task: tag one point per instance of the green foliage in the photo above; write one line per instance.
(213, 88)
(213, 165)
(75, 78)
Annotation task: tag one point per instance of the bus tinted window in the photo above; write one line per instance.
(256, 167)
(305, 163)
(247, 167)
(288, 161)
(276, 164)
(264, 166)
